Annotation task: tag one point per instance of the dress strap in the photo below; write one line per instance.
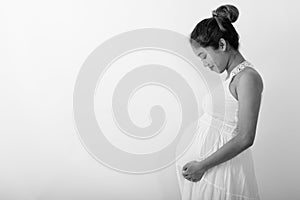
(237, 69)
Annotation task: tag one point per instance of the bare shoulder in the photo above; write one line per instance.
(249, 77)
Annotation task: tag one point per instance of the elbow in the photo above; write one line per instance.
(247, 142)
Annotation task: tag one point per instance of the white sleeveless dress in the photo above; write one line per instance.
(231, 180)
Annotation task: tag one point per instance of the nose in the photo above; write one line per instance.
(205, 63)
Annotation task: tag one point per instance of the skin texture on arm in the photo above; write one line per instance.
(248, 89)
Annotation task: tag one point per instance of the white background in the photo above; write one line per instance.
(42, 47)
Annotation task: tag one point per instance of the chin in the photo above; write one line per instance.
(216, 70)
(220, 72)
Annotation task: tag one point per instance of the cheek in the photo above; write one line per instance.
(215, 59)
(210, 61)
(210, 57)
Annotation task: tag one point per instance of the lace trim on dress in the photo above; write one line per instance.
(238, 68)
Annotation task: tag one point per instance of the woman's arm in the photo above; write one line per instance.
(249, 89)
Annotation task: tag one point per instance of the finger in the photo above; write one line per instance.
(185, 173)
(193, 179)
(184, 168)
(186, 176)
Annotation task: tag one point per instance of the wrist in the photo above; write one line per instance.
(204, 165)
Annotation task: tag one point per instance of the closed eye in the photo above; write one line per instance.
(202, 55)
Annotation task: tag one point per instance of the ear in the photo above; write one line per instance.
(222, 44)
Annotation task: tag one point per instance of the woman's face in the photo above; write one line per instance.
(215, 60)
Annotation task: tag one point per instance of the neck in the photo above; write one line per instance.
(234, 60)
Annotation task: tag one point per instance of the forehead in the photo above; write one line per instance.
(199, 50)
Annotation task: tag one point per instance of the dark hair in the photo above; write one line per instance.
(209, 31)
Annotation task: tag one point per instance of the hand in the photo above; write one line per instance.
(193, 171)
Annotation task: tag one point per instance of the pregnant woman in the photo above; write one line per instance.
(218, 165)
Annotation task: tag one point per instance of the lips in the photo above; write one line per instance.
(211, 67)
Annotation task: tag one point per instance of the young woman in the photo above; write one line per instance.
(218, 165)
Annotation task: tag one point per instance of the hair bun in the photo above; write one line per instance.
(228, 11)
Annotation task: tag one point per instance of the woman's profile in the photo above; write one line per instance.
(219, 164)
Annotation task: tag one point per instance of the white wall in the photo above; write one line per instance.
(43, 45)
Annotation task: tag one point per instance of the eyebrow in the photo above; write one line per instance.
(200, 53)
